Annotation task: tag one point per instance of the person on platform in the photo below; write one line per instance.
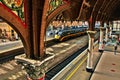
(119, 40)
(115, 48)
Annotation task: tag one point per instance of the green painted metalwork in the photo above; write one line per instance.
(17, 6)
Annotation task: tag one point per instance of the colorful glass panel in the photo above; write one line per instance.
(16, 6)
(53, 4)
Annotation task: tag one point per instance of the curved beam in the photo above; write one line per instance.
(109, 9)
(117, 5)
(96, 7)
(81, 10)
(103, 17)
(43, 29)
(96, 10)
(93, 14)
(57, 11)
(90, 10)
(100, 8)
(16, 24)
(100, 13)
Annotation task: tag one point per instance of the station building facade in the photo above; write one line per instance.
(6, 31)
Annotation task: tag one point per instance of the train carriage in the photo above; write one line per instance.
(62, 35)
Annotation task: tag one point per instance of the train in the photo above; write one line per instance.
(72, 32)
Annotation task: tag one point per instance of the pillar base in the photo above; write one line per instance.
(101, 51)
(35, 69)
(89, 70)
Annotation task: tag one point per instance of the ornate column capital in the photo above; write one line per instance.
(107, 26)
(91, 33)
(102, 28)
(35, 69)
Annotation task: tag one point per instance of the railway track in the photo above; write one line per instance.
(9, 55)
(52, 72)
(48, 74)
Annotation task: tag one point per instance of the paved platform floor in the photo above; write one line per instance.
(108, 67)
(77, 69)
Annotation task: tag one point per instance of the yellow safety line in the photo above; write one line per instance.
(76, 69)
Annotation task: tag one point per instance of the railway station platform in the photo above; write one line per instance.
(106, 67)
(12, 71)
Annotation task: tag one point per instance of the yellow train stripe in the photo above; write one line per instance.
(73, 72)
(79, 33)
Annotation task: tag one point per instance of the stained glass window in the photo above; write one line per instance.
(53, 4)
(16, 6)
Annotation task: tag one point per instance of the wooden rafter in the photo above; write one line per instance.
(108, 10)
